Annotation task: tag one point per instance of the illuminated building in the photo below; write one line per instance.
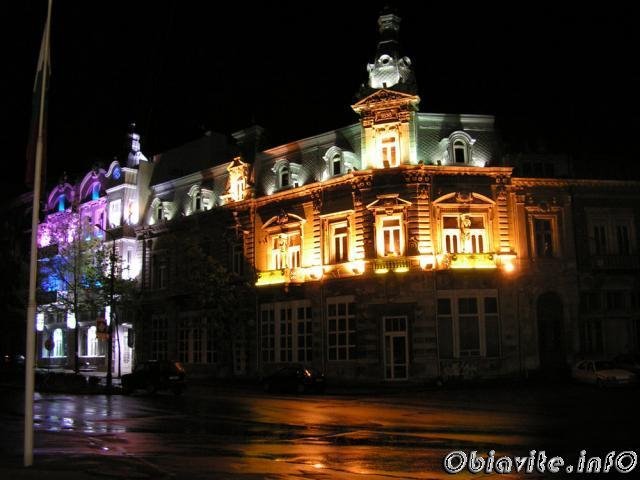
(402, 247)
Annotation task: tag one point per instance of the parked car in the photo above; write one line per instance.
(628, 361)
(601, 373)
(295, 378)
(154, 375)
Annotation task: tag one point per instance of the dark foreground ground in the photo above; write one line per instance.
(240, 433)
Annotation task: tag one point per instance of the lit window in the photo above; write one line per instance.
(238, 189)
(58, 343)
(390, 151)
(278, 247)
(95, 192)
(339, 246)
(390, 235)
(197, 201)
(92, 342)
(464, 234)
(62, 203)
(293, 251)
(285, 251)
(115, 213)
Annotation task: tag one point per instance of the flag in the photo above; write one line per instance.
(39, 106)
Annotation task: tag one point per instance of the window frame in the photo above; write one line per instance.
(553, 218)
(481, 314)
(349, 333)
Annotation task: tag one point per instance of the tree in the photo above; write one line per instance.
(201, 282)
(75, 266)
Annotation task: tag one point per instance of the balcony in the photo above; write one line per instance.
(272, 277)
(615, 262)
(467, 260)
(394, 264)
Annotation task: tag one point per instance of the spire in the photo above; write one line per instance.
(132, 147)
(389, 70)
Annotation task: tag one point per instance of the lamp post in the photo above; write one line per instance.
(111, 311)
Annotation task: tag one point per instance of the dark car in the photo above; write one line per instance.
(628, 361)
(154, 375)
(295, 378)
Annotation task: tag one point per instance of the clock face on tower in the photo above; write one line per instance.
(116, 173)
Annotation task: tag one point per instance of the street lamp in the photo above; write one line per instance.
(111, 311)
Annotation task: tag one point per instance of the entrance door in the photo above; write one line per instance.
(396, 355)
(551, 331)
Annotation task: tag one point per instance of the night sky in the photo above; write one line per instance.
(558, 79)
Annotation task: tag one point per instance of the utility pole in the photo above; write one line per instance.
(112, 260)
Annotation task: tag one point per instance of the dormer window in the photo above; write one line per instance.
(288, 174)
(238, 189)
(459, 152)
(284, 176)
(389, 151)
(62, 203)
(159, 212)
(95, 191)
(197, 201)
(336, 164)
(460, 149)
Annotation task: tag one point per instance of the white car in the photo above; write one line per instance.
(601, 373)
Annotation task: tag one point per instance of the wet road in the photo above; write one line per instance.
(214, 434)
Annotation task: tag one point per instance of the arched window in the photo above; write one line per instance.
(336, 164)
(197, 201)
(284, 176)
(58, 343)
(159, 212)
(459, 152)
(95, 191)
(92, 342)
(62, 203)
(238, 189)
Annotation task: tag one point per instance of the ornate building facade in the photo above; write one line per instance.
(400, 248)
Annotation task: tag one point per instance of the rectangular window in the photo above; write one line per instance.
(159, 337)
(211, 352)
(267, 333)
(305, 337)
(445, 328)
(600, 239)
(115, 213)
(286, 331)
(464, 234)
(286, 339)
(293, 250)
(237, 259)
(339, 242)
(622, 238)
(468, 326)
(341, 330)
(543, 237)
(160, 271)
(277, 247)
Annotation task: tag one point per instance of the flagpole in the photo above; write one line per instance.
(29, 370)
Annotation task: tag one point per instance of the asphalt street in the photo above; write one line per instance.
(217, 433)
